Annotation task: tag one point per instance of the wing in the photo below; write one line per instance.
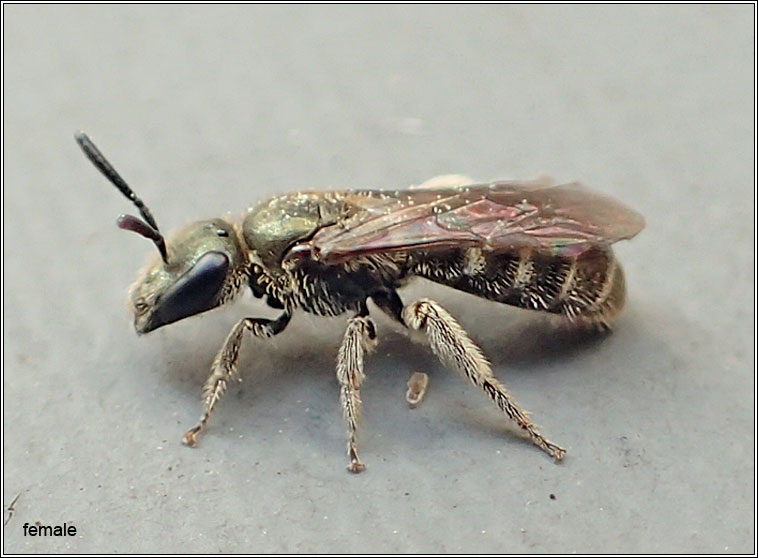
(503, 216)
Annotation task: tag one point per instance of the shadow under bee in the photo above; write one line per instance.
(538, 339)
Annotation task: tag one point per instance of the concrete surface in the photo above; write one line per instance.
(207, 109)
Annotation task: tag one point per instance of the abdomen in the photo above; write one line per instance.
(589, 288)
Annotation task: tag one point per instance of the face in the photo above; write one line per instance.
(203, 271)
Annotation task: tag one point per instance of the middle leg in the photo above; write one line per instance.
(360, 338)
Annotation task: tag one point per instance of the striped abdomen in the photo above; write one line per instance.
(587, 288)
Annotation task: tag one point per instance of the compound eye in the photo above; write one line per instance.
(194, 292)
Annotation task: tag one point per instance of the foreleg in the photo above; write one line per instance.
(225, 365)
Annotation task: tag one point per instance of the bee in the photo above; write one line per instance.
(533, 245)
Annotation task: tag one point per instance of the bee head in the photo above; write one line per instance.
(198, 270)
(198, 275)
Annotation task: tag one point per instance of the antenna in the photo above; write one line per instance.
(148, 229)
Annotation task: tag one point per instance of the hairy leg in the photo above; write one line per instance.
(225, 365)
(452, 345)
(359, 339)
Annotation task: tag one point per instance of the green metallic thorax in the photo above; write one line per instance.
(274, 226)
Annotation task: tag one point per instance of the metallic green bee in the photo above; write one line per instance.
(528, 244)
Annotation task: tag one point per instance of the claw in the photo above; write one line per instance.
(356, 467)
(557, 452)
(190, 437)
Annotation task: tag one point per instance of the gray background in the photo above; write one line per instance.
(207, 109)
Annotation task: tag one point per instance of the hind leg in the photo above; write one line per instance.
(453, 346)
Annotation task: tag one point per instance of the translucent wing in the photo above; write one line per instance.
(561, 220)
